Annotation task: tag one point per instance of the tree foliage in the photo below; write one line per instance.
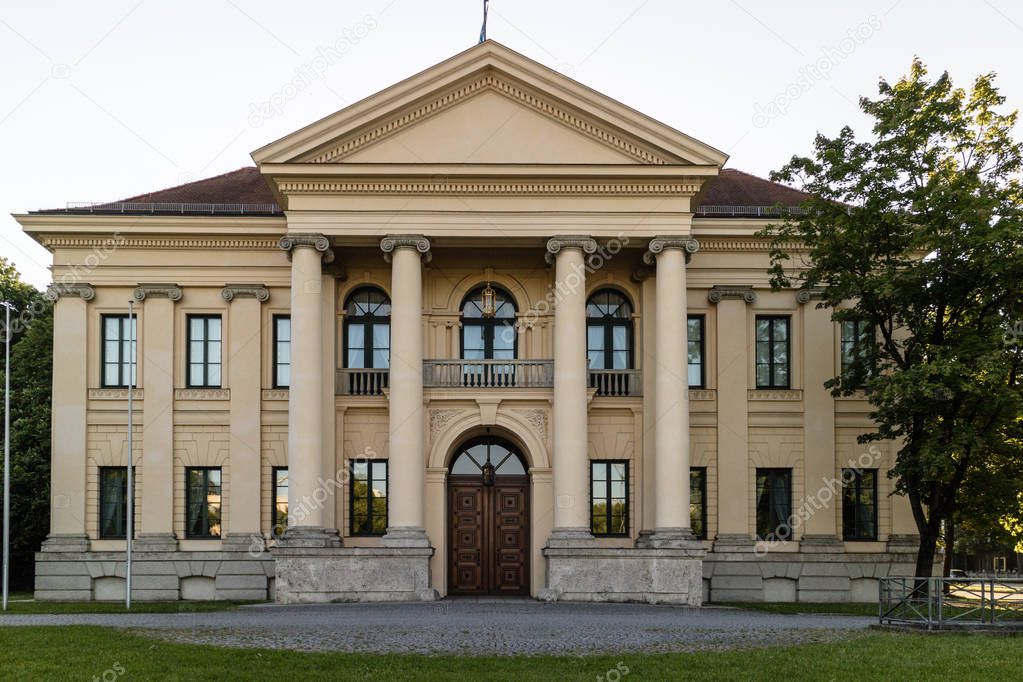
(918, 231)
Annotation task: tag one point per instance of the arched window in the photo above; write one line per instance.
(609, 330)
(488, 457)
(367, 329)
(488, 325)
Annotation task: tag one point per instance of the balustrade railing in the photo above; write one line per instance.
(617, 382)
(488, 373)
(353, 381)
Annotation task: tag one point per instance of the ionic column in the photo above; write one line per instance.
(242, 518)
(570, 465)
(671, 392)
(648, 362)
(306, 504)
(156, 517)
(70, 389)
(732, 382)
(405, 525)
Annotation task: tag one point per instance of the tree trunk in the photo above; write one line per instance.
(950, 543)
(925, 555)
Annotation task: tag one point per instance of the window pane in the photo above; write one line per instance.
(620, 338)
(197, 352)
(781, 329)
(381, 359)
(356, 336)
(213, 375)
(360, 470)
(472, 337)
(110, 376)
(195, 375)
(762, 329)
(195, 328)
(695, 375)
(213, 329)
(381, 336)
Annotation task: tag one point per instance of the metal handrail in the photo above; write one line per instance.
(180, 207)
(488, 373)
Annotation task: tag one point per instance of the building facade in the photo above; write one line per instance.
(485, 332)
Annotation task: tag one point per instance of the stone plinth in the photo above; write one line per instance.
(655, 576)
(343, 574)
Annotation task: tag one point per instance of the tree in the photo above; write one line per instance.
(31, 382)
(917, 233)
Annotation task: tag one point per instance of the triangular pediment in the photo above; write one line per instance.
(489, 105)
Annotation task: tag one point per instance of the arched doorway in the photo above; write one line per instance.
(488, 519)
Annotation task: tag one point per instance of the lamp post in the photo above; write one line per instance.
(7, 450)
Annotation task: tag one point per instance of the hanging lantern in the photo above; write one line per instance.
(488, 299)
(489, 472)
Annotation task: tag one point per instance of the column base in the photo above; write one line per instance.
(66, 542)
(821, 544)
(155, 542)
(352, 574)
(571, 537)
(406, 536)
(674, 538)
(734, 543)
(309, 537)
(643, 539)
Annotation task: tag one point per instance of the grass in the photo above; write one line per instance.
(27, 606)
(843, 609)
(85, 652)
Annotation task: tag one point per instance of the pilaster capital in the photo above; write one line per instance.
(659, 243)
(311, 240)
(144, 291)
(720, 292)
(804, 296)
(569, 241)
(256, 291)
(406, 241)
(84, 291)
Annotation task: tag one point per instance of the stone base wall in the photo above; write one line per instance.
(349, 574)
(86, 576)
(655, 576)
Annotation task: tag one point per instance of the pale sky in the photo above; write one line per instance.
(102, 100)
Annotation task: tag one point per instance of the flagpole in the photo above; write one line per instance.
(7, 451)
(130, 470)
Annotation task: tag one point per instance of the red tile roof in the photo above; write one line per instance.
(244, 191)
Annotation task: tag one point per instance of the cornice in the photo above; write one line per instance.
(57, 290)
(659, 243)
(406, 241)
(311, 240)
(569, 241)
(256, 291)
(489, 81)
(490, 188)
(726, 292)
(54, 242)
(144, 291)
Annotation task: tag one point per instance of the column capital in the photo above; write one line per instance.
(804, 296)
(311, 240)
(406, 241)
(569, 241)
(659, 243)
(144, 291)
(84, 291)
(256, 291)
(724, 292)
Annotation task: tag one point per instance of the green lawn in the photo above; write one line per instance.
(82, 652)
(844, 609)
(27, 606)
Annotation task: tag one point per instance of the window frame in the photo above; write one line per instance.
(124, 513)
(274, 487)
(772, 364)
(205, 507)
(703, 349)
(608, 463)
(857, 478)
(368, 321)
(608, 323)
(369, 507)
(703, 500)
(489, 326)
(206, 317)
(123, 382)
(772, 535)
(275, 319)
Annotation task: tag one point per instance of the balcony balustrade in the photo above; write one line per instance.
(361, 381)
(617, 382)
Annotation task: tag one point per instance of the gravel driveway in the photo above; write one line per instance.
(466, 626)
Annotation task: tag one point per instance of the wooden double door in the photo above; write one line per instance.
(488, 535)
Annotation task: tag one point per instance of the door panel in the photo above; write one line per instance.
(466, 505)
(489, 536)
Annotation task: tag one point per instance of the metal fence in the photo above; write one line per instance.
(941, 603)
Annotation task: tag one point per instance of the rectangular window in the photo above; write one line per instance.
(203, 350)
(279, 510)
(609, 498)
(773, 351)
(697, 372)
(113, 502)
(698, 501)
(859, 504)
(368, 513)
(282, 351)
(202, 502)
(855, 335)
(119, 348)
(774, 504)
